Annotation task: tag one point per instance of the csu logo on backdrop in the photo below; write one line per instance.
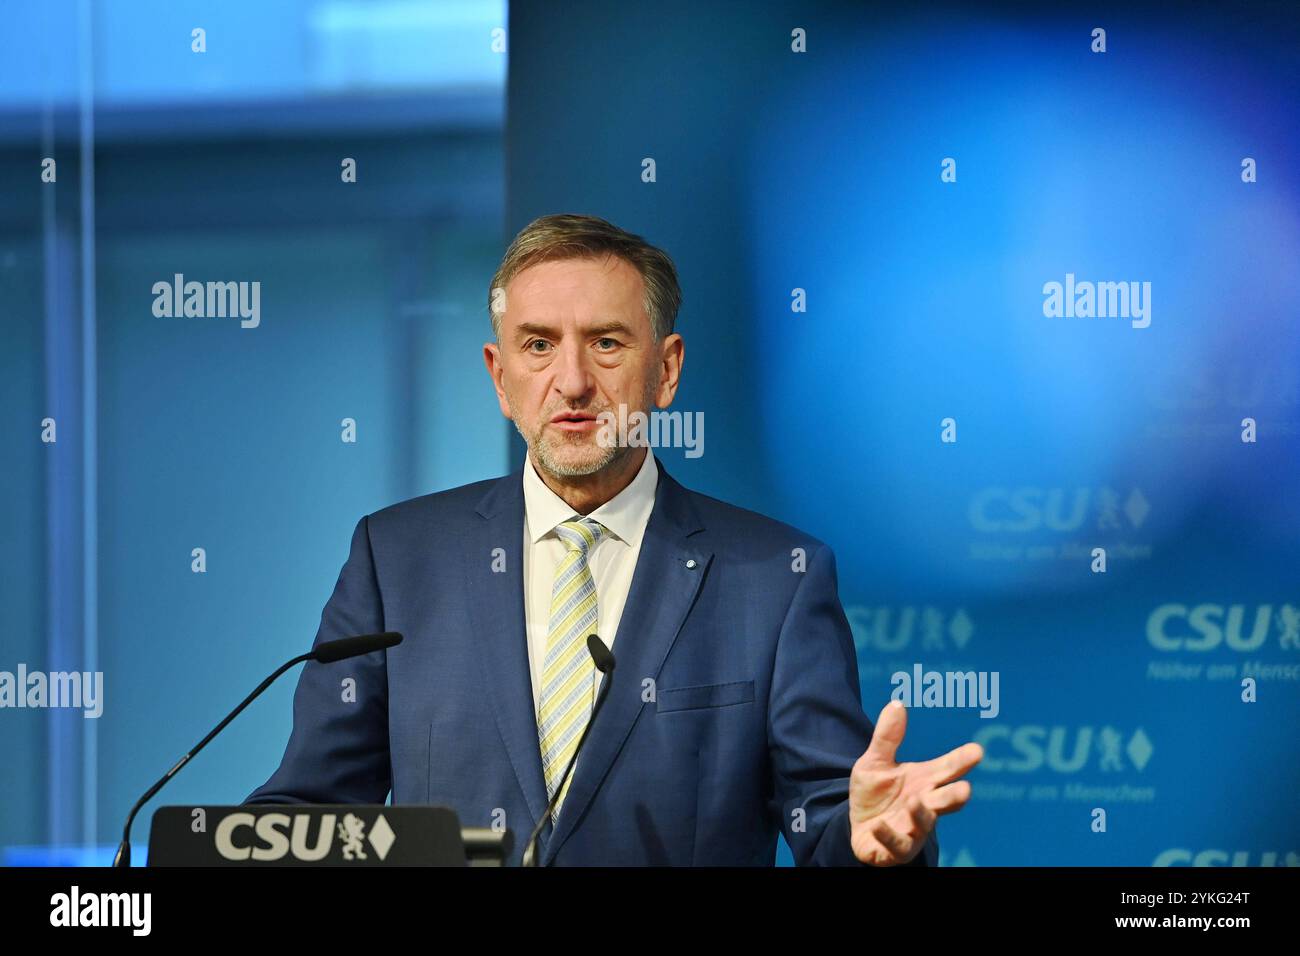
(894, 628)
(1203, 627)
(1033, 747)
(272, 836)
(1029, 509)
(1181, 857)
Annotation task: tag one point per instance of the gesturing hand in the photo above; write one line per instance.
(893, 806)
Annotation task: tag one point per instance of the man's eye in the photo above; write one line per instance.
(612, 343)
(535, 342)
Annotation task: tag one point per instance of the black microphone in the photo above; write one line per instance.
(603, 658)
(325, 653)
(346, 647)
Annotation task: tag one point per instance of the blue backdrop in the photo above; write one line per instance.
(823, 171)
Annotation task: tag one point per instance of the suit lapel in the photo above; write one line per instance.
(496, 603)
(662, 592)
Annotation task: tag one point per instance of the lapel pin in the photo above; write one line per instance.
(691, 564)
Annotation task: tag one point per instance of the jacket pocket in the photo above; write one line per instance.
(705, 695)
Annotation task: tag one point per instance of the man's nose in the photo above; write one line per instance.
(572, 376)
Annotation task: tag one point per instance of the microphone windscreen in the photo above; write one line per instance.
(600, 654)
(346, 647)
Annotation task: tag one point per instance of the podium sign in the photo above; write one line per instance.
(311, 835)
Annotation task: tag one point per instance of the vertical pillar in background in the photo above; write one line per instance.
(90, 420)
(71, 481)
(64, 516)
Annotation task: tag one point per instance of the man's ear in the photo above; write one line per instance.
(672, 355)
(496, 371)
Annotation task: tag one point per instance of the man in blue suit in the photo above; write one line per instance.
(733, 712)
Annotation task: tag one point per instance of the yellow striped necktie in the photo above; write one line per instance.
(568, 671)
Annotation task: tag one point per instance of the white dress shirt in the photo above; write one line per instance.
(612, 560)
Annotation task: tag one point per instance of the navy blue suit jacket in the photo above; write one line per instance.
(733, 712)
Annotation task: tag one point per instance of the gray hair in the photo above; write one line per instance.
(567, 236)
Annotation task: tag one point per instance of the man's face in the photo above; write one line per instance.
(575, 341)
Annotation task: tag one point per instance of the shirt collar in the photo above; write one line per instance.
(625, 515)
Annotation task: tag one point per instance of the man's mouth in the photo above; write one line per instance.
(575, 421)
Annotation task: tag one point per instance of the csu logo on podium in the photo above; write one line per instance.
(335, 834)
(307, 837)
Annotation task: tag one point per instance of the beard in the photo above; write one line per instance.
(555, 453)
